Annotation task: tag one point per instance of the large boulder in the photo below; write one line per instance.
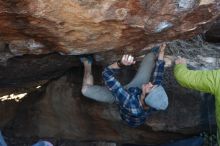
(107, 28)
(87, 26)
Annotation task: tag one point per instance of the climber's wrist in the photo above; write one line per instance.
(114, 66)
(120, 64)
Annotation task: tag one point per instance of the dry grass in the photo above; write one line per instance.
(199, 53)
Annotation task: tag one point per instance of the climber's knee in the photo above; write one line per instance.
(84, 90)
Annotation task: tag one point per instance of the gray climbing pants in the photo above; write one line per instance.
(102, 94)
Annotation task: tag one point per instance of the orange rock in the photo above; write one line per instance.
(84, 26)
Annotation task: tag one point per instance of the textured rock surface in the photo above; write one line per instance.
(86, 26)
(62, 112)
(26, 70)
(7, 112)
(213, 35)
(77, 27)
(110, 28)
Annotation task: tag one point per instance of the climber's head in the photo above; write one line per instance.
(155, 96)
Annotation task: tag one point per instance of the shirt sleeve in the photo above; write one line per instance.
(114, 86)
(201, 80)
(158, 73)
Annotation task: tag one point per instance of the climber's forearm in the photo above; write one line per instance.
(114, 66)
(161, 55)
(162, 50)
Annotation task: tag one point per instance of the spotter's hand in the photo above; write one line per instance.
(180, 60)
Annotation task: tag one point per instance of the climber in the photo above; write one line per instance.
(137, 99)
(207, 81)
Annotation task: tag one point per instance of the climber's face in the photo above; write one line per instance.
(146, 88)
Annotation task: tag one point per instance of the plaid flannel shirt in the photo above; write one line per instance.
(131, 110)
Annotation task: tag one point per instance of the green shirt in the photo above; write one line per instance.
(207, 81)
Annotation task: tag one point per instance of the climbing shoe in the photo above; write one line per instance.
(88, 57)
(155, 49)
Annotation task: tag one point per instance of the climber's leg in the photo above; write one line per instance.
(144, 71)
(91, 91)
(98, 93)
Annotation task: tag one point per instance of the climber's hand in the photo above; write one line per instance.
(127, 60)
(162, 50)
(180, 60)
(163, 47)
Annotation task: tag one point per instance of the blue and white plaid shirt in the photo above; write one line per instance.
(130, 107)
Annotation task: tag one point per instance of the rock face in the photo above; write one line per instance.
(213, 34)
(86, 26)
(109, 28)
(62, 112)
(7, 112)
(26, 70)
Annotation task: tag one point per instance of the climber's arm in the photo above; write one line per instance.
(159, 69)
(126, 60)
(199, 80)
(112, 83)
